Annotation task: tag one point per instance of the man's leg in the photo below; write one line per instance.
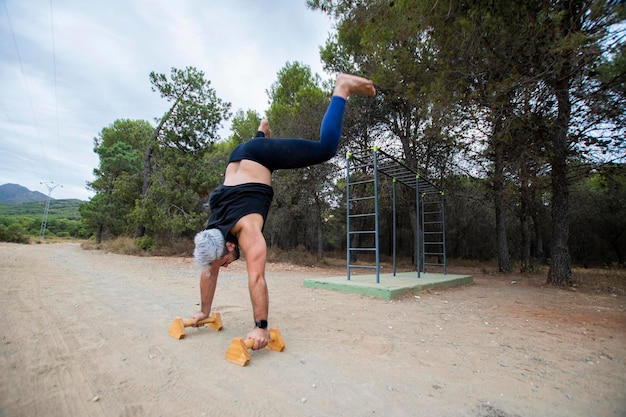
(332, 123)
(300, 153)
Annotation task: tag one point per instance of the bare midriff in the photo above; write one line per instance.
(246, 171)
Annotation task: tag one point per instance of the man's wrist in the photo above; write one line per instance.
(261, 324)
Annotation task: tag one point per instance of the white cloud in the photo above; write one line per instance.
(92, 69)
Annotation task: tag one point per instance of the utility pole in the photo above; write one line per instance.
(51, 186)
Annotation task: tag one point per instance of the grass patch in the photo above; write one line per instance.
(297, 257)
(123, 245)
(609, 280)
(126, 245)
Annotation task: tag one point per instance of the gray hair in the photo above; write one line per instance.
(210, 245)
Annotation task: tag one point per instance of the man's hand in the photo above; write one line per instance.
(200, 315)
(261, 338)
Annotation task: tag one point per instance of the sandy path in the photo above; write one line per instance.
(85, 334)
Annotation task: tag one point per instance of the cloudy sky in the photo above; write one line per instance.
(69, 68)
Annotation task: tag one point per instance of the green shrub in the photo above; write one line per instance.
(15, 233)
(145, 243)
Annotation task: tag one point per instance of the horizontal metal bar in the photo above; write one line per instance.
(362, 266)
(361, 165)
(361, 249)
(362, 215)
(361, 198)
(361, 182)
(360, 232)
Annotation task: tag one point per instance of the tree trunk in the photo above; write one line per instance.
(147, 170)
(320, 231)
(617, 247)
(99, 230)
(539, 252)
(560, 273)
(527, 197)
(504, 259)
(525, 228)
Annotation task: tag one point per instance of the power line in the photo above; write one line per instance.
(14, 131)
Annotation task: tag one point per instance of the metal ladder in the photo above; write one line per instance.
(357, 208)
(433, 236)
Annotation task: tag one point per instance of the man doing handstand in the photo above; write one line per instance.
(239, 206)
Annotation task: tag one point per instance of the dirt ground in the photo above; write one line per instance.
(84, 333)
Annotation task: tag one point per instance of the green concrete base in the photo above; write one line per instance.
(389, 286)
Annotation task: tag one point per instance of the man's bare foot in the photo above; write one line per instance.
(347, 84)
(264, 127)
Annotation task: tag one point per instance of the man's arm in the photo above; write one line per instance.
(252, 242)
(208, 283)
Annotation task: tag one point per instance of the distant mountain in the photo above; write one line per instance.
(16, 194)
